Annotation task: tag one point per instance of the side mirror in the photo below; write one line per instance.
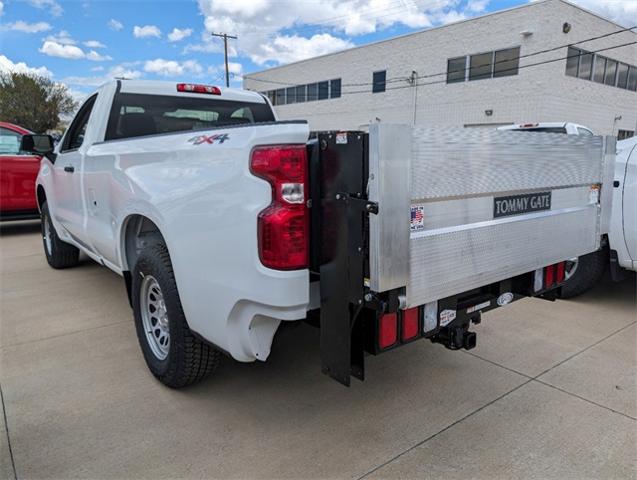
(38, 144)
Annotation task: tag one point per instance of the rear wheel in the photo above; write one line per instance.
(59, 254)
(583, 273)
(173, 354)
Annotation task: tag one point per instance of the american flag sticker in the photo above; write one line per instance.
(417, 218)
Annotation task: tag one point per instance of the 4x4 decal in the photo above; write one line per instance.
(211, 139)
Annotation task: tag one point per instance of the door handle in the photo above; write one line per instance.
(69, 168)
(616, 184)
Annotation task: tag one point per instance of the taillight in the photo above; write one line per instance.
(409, 324)
(559, 272)
(549, 276)
(387, 330)
(283, 227)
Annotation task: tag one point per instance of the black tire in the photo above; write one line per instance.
(59, 254)
(588, 273)
(188, 359)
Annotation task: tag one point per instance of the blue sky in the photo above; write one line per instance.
(84, 43)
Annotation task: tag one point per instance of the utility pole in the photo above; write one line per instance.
(225, 37)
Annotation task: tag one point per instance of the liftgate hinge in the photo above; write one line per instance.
(357, 201)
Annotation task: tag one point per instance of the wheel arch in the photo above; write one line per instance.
(40, 196)
(137, 232)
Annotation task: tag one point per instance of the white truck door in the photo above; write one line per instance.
(68, 208)
(630, 205)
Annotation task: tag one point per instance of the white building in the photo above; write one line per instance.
(482, 72)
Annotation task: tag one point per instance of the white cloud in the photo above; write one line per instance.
(94, 44)
(179, 34)
(70, 51)
(96, 57)
(53, 7)
(118, 71)
(25, 27)
(7, 65)
(269, 29)
(172, 68)
(146, 31)
(234, 68)
(63, 37)
(477, 6)
(620, 11)
(1, 8)
(115, 25)
(54, 49)
(290, 48)
(99, 68)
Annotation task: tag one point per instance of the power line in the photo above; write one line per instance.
(399, 79)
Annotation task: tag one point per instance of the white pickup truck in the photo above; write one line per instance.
(225, 222)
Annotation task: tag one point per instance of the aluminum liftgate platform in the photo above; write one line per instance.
(423, 214)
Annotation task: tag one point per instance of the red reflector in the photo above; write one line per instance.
(197, 88)
(387, 330)
(549, 276)
(560, 272)
(409, 329)
(283, 227)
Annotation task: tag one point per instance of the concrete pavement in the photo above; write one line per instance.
(550, 392)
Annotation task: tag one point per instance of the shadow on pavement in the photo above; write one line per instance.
(25, 227)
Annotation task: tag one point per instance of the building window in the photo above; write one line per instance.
(335, 88)
(290, 95)
(624, 134)
(588, 66)
(611, 70)
(456, 69)
(632, 79)
(280, 97)
(598, 69)
(305, 93)
(622, 75)
(585, 66)
(378, 84)
(506, 62)
(300, 93)
(312, 92)
(572, 61)
(480, 66)
(323, 90)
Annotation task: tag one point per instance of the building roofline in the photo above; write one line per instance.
(437, 27)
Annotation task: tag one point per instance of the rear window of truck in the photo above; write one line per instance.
(137, 115)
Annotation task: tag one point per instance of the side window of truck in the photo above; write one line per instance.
(9, 142)
(75, 136)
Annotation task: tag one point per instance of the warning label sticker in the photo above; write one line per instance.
(417, 218)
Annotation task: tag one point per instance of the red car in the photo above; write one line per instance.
(18, 171)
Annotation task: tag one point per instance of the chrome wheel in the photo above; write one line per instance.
(46, 235)
(155, 317)
(570, 268)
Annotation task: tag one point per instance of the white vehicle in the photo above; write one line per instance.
(584, 273)
(550, 127)
(225, 223)
(622, 237)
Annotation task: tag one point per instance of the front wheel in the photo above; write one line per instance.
(584, 273)
(59, 254)
(173, 354)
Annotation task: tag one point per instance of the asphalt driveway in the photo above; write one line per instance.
(550, 392)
